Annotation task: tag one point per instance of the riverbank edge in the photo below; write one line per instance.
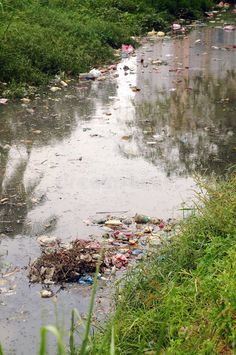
(181, 300)
(41, 41)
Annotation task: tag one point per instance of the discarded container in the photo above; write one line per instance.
(140, 218)
(95, 73)
(113, 222)
(85, 280)
(160, 34)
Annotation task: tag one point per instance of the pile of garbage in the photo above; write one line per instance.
(123, 240)
(65, 263)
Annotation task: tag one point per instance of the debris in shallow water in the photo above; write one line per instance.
(4, 200)
(95, 73)
(46, 293)
(176, 26)
(229, 28)
(127, 49)
(135, 89)
(3, 101)
(139, 218)
(113, 222)
(63, 83)
(55, 88)
(66, 263)
(119, 260)
(85, 280)
(25, 100)
(47, 241)
(126, 241)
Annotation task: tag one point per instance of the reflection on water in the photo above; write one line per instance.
(189, 107)
(23, 129)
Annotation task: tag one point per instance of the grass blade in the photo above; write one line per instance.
(72, 330)
(55, 331)
(112, 348)
(83, 349)
(43, 343)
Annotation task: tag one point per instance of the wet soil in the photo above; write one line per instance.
(100, 147)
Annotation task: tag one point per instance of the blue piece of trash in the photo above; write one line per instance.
(137, 252)
(85, 280)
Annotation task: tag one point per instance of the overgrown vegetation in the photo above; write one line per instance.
(183, 301)
(41, 38)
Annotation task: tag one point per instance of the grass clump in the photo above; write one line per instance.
(182, 300)
(41, 38)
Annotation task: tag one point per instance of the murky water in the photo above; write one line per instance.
(100, 146)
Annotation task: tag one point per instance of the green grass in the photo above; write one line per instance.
(41, 38)
(183, 299)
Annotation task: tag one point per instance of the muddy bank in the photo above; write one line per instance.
(101, 147)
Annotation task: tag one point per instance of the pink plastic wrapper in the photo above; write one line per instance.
(229, 28)
(127, 48)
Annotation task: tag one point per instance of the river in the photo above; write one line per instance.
(103, 146)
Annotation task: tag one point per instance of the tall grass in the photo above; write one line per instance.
(182, 299)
